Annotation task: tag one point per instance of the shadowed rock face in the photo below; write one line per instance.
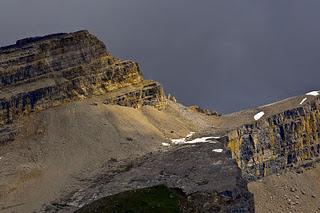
(153, 199)
(281, 140)
(41, 72)
(208, 182)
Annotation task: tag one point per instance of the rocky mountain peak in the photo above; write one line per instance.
(41, 72)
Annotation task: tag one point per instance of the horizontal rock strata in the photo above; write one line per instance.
(279, 141)
(41, 72)
(148, 93)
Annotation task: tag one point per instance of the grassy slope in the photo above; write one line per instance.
(154, 199)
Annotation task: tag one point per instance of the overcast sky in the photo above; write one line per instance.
(220, 54)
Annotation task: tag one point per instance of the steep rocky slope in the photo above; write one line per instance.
(78, 125)
(60, 149)
(209, 181)
(42, 72)
(68, 109)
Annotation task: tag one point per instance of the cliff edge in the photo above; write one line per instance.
(41, 72)
(78, 125)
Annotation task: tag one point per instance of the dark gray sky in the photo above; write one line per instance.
(220, 54)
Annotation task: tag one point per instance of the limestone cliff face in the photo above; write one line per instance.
(286, 139)
(38, 73)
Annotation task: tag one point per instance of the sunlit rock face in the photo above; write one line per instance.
(279, 141)
(41, 72)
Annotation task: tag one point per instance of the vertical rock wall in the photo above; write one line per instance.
(283, 140)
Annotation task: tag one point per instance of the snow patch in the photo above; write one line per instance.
(201, 140)
(216, 137)
(178, 141)
(190, 134)
(303, 100)
(165, 144)
(217, 150)
(258, 116)
(196, 140)
(313, 93)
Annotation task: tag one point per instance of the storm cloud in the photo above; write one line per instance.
(220, 54)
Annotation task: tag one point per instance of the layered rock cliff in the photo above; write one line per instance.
(37, 73)
(42, 72)
(286, 136)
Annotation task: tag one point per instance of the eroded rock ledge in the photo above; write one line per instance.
(42, 72)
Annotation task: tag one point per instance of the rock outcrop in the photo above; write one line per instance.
(42, 72)
(208, 181)
(204, 111)
(284, 139)
(145, 93)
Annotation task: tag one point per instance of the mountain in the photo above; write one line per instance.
(81, 130)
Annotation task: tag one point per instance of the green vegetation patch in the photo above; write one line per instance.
(157, 199)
